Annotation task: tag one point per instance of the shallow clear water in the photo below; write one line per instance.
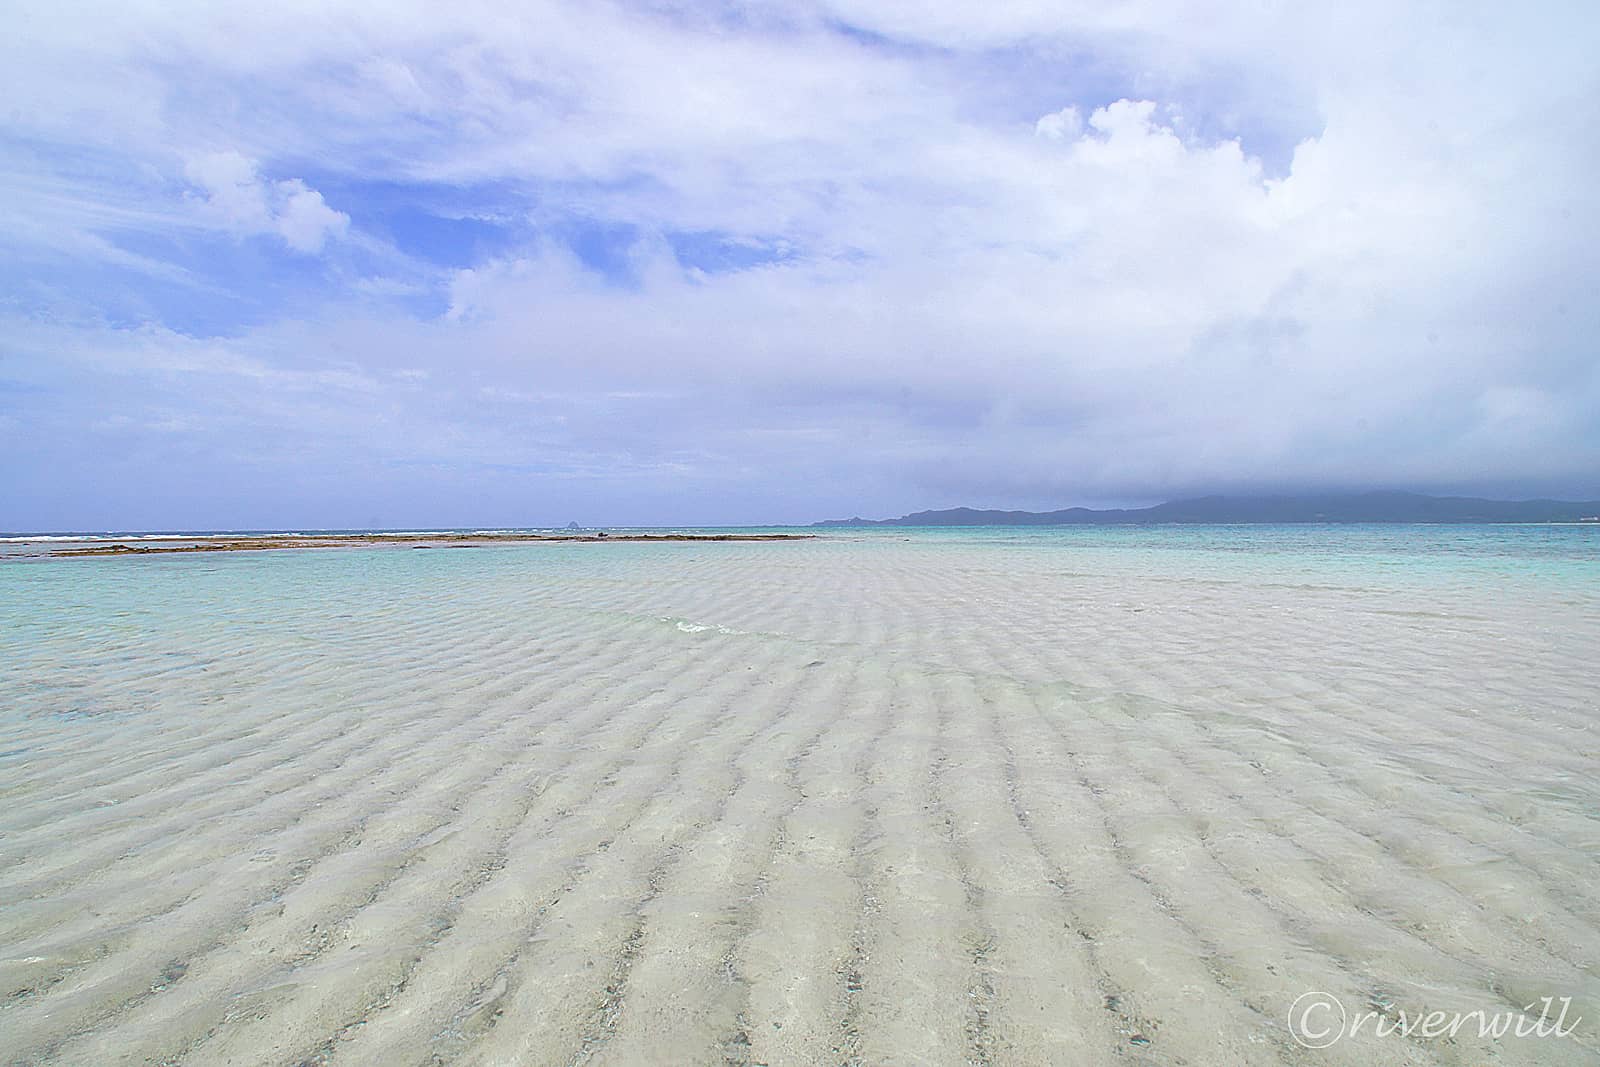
(1003, 795)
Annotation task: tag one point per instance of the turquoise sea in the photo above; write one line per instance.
(58, 610)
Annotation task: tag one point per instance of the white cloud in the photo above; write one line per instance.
(1032, 252)
(1063, 125)
(304, 221)
(237, 198)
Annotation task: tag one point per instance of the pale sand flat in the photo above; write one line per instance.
(825, 802)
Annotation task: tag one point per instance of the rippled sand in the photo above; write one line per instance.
(834, 802)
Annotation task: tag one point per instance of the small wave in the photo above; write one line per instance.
(685, 626)
(26, 540)
(23, 539)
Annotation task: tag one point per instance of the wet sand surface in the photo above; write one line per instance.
(831, 802)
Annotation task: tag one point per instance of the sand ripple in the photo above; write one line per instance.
(831, 802)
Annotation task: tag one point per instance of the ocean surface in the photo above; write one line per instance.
(893, 795)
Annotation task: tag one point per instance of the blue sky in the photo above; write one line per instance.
(402, 265)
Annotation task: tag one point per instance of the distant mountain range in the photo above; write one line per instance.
(1332, 507)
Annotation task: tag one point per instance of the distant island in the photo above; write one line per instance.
(1332, 508)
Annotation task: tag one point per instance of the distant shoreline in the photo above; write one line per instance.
(1331, 508)
(267, 543)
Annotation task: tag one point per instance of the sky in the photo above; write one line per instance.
(402, 264)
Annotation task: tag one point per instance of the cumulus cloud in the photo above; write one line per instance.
(235, 196)
(1063, 125)
(1003, 254)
